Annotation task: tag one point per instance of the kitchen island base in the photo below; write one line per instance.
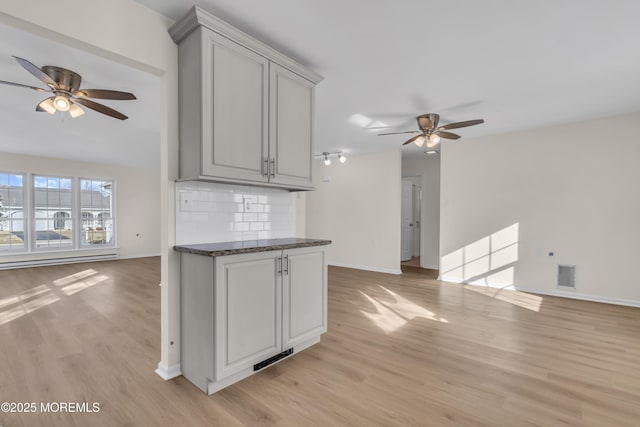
(240, 312)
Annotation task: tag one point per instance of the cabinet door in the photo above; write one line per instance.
(304, 302)
(235, 110)
(248, 298)
(291, 127)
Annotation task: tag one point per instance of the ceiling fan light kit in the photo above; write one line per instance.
(61, 102)
(65, 86)
(431, 133)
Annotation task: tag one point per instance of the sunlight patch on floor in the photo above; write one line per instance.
(25, 302)
(26, 306)
(394, 311)
(74, 277)
(521, 299)
(84, 284)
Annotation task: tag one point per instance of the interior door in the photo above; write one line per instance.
(407, 220)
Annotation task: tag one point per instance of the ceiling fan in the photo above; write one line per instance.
(65, 86)
(431, 133)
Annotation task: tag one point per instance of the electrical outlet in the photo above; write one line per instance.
(186, 201)
(247, 205)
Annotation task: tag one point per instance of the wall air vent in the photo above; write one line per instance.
(567, 276)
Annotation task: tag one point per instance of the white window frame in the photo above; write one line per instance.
(34, 209)
(25, 215)
(29, 217)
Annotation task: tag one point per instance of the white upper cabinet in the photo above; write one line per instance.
(235, 116)
(246, 110)
(291, 101)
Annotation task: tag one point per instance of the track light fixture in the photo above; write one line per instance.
(327, 160)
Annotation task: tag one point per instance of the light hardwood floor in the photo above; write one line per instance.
(401, 351)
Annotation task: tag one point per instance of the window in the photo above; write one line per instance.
(12, 234)
(96, 202)
(40, 213)
(53, 203)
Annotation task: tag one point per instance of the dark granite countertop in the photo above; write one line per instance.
(249, 246)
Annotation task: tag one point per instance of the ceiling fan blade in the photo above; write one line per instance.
(398, 133)
(104, 94)
(412, 139)
(461, 124)
(101, 108)
(447, 135)
(47, 105)
(37, 72)
(39, 89)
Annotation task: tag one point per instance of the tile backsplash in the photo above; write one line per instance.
(210, 212)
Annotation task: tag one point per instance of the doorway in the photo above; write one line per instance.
(411, 225)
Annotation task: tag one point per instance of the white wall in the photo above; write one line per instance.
(137, 199)
(357, 206)
(209, 212)
(509, 200)
(428, 169)
(131, 34)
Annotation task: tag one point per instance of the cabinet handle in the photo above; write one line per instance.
(273, 167)
(279, 266)
(286, 265)
(265, 167)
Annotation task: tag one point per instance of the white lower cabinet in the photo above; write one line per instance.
(248, 307)
(304, 296)
(241, 310)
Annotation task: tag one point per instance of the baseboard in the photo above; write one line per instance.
(486, 285)
(445, 278)
(553, 293)
(45, 262)
(168, 372)
(431, 266)
(584, 297)
(139, 256)
(367, 268)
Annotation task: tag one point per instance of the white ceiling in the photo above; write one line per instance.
(91, 137)
(516, 64)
